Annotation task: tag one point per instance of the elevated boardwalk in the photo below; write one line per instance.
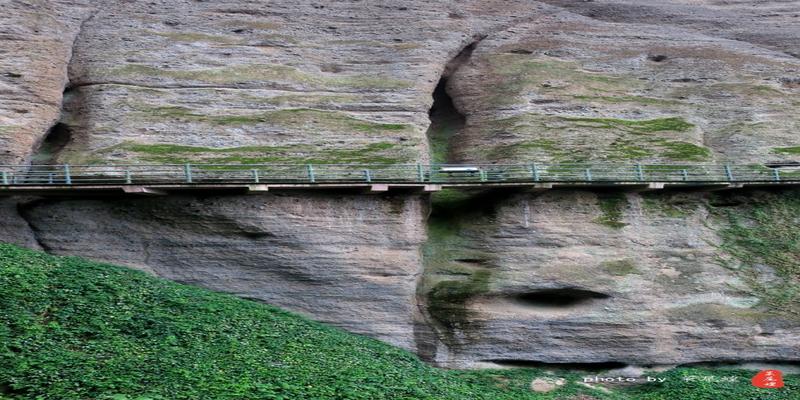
(154, 180)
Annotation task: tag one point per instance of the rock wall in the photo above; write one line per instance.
(603, 277)
(318, 255)
(502, 277)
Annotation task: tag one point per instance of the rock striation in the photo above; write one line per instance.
(464, 279)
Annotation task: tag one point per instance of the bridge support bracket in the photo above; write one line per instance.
(143, 191)
(257, 188)
(379, 187)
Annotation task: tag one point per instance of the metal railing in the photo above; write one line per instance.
(15, 175)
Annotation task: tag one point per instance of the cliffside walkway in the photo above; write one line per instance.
(167, 179)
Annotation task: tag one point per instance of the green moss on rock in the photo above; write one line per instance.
(611, 206)
(259, 73)
(305, 118)
(787, 150)
(620, 267)
(673, 124)
(683, 151)
(714, 313)
(762, 234)
(374, 153)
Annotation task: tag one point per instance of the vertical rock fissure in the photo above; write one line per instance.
(60, 133)
(22, 210)
(446, 120)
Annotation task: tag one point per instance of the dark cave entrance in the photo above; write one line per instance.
(446, 122)
(564, 297)
(54, 141)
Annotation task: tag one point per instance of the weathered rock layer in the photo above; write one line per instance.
(500, 277)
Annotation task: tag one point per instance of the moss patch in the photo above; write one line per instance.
(456, 268)
(787, 150)
(611, 206)
(673, 124)
(261, 73)
(519, 74)
(668, 205)
(764, 233)
(712, 313)
(196, 37)
(297, 117)
(683, 151)
(620, 267)
(571, 140)
(374, 153)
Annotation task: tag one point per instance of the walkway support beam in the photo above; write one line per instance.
(310, 173)
(187, 171)
(67, 175)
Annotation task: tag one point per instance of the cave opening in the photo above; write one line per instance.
(56, 139)
(564, 297)
(446, 120)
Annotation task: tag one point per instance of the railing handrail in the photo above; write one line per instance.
(194, 173)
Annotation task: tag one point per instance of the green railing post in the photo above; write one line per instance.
(535, 172)
(256, 178)
(310, 171)
(728, 172)
(588, 174)
(639, 172)
(483, 176)
(187, 170)
(367, 176)
(420, 173)
(128, 178)
(67, 176)
(5, 178)
(777, 174)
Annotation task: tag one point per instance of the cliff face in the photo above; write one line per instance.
(477, 277)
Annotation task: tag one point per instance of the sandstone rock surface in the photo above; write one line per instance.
(502, 277)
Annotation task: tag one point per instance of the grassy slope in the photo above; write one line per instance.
(74, 329)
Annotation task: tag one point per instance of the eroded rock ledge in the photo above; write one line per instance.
(502, 277)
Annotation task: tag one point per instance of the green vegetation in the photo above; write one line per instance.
(683, 151)
(621, 267)
(305, 117)
(621, 99)
(72, 329)
(519, 74)
(668, 205)
(374, 153)
(786, 150)
(568, 142)
(196, 37)
(673, 124)
(439, 134)
(536, 149)
(714, 313)
(625, 150)
(253, 24)
(764, 232)
(611, 206)
(455, 271)
(262, 73)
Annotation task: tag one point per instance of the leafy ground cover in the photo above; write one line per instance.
(76, 329)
